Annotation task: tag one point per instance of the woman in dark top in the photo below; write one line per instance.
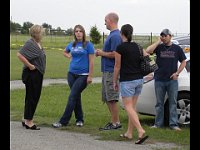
(32, 55)
(127, 69)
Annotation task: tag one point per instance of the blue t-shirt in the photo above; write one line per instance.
(111, 43)
(167, 60)
(80, 57)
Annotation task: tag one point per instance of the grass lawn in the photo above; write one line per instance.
(53, 101)
(56, 65)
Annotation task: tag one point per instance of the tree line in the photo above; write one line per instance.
(16, 28)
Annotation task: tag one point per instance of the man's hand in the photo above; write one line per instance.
(98, 52)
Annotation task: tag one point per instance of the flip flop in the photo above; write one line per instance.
(125, 136)
(141, 139)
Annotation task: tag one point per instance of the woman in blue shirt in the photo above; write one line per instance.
(81, 53)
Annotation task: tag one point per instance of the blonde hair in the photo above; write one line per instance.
(36, 32)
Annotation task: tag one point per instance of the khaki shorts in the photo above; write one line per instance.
(108, 93)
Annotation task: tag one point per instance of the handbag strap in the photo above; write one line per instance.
(140, 49)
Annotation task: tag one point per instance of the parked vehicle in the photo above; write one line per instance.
(183, 42)
(147, 100)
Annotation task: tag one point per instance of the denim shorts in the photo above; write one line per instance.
(131, 88)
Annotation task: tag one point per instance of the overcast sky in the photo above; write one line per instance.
(144, 15)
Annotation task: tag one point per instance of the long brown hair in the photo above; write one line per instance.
(84, 36)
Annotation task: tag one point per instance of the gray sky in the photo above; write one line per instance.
(144, 15)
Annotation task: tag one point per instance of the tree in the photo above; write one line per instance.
(95, 35)
(15, 27)
(26, 26)
(47, 28)
(60, 31)
(69, 32)
(45, 25)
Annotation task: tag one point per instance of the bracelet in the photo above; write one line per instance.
(177, 74)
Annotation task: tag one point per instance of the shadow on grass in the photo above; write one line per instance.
(147, 120)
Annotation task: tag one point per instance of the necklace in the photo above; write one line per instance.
(167, 47)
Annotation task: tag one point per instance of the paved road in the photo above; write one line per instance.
(55, 139)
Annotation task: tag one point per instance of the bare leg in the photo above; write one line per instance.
(29, 122)
(130, 107)
(114, 111)
(129, 132)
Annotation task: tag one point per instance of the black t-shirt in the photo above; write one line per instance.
(130, 61)
(167, 58)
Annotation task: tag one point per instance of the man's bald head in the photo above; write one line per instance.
(113, 17)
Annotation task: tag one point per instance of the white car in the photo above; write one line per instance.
(147, 100)
(183, 42)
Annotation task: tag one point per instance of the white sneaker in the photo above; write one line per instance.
(57, 125)
(79, 123)
(176, 128)
(154, 127)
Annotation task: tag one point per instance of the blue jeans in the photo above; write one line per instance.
(77, 84)
(171, 88)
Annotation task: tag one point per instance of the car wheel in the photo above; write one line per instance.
(183, 109)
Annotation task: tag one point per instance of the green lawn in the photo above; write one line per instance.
(54, 99)
(56, 67)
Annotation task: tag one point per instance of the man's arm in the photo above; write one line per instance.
(150, 49)
(116, 71)
(99, 52)
(180, 68)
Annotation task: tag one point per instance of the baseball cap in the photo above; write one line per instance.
(166, 32)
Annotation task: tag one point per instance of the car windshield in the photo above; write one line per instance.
(183, 40)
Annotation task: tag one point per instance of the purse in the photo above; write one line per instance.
(147, 65)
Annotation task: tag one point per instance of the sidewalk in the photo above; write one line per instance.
(18, 84)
